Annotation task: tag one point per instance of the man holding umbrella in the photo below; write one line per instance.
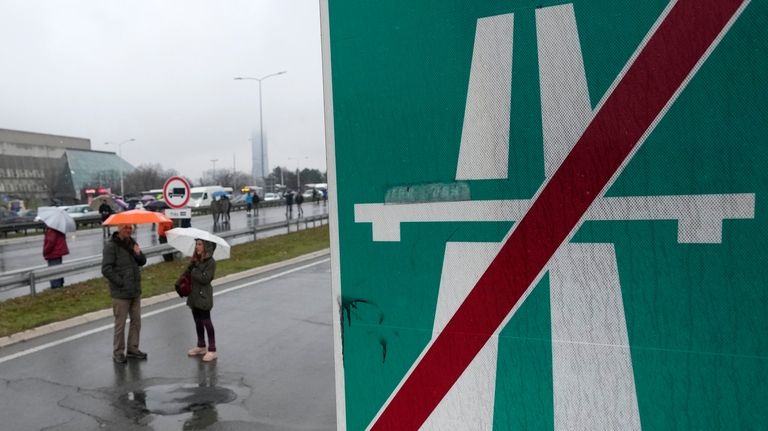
(120, 264)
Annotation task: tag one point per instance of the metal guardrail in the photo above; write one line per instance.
(32, 277)
(94, 220)
(81, 222)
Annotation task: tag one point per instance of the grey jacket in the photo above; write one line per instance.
(202, 274)
(120, 266)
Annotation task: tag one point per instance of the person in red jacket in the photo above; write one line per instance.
(162, 228)
(54, 247)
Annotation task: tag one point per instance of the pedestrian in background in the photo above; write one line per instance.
(299, 201)
(120, 264)
(289, 204)
(162, 228)
(54, 248)
(256, 201)
(215, 210)
(226, 206)
(105, 211)
(248, 203)
(202, 269)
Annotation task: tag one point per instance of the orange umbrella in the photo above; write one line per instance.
(136, 217)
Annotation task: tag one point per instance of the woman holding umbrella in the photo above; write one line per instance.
(54, 248)
(201, 270)
(205, 248)
(57, 223)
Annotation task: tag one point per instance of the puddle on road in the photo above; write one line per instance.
(184, 406)
(176, 399)
(135, 403)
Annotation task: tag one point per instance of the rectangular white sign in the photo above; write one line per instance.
(178, 213)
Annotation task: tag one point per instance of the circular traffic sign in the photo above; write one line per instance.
(176, 192)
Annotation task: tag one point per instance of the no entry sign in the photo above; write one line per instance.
(525, 235)
(176, 192)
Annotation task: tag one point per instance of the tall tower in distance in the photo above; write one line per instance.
(259, 158)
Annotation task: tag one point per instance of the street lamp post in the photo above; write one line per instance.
(214, 171)
(298, 172)
(120, 153)
(261, 117)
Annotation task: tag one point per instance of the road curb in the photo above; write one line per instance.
(50, 328)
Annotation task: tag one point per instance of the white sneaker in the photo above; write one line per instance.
(209, 356)
(197, 351)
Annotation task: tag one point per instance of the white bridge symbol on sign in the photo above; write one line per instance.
(593, 379)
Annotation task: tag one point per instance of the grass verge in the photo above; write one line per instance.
(26, 312)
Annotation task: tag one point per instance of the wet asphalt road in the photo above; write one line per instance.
(26, 252)
(23, 253)
(274, 372)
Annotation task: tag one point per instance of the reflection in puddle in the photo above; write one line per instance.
(165, 404)
(176, 399)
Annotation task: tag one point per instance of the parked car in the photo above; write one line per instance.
(10, 217)
(268, 197)
(78, 211)
(238, 200)
(17, 206)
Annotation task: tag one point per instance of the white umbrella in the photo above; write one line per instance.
(97, 201)
(183, 239)
(57, 219)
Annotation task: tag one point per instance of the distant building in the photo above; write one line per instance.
(259, 158)
(44, 168)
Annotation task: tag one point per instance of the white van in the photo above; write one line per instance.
(203, 196)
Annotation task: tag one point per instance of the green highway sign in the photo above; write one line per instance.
(548, 215)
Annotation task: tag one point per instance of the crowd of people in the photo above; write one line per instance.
(122, 258)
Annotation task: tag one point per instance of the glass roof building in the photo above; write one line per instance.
(95, 169)
(44, 169)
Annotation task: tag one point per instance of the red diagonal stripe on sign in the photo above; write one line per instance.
(650, 83)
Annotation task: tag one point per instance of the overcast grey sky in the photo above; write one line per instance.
(161, 72)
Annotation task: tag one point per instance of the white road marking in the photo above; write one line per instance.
(152, 313)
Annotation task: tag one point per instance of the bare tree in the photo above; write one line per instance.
(309, 176)
(147, 177)
(284, 177)
(227, 178)
(241, 179)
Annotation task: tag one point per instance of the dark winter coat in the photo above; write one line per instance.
(120, 266)
(54, 244)
(202, 274)
(105, 211)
